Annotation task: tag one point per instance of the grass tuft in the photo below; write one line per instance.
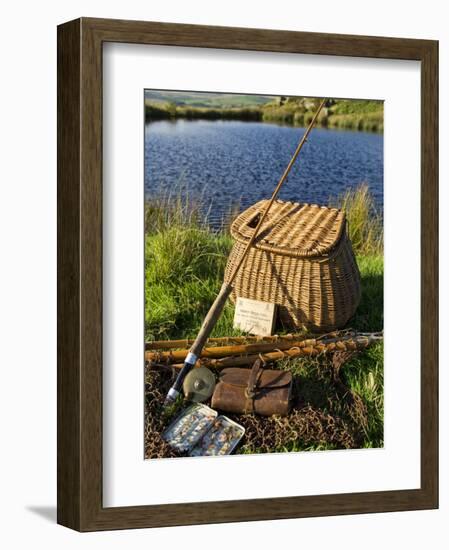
(364, 223)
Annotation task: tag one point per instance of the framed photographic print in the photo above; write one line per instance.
(247, 274)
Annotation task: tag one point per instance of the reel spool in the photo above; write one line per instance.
(199, 385)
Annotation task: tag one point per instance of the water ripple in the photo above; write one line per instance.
(228, 163)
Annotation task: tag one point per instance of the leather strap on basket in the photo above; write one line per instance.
(250, 390)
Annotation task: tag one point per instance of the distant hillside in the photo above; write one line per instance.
(351, 114)
(206, 100)
(338, 113)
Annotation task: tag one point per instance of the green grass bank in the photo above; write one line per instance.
(364, 115)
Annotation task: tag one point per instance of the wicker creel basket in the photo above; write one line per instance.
(302, 260)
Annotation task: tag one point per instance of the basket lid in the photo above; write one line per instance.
(291, 229)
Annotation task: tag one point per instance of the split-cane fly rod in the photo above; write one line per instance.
(226, 289)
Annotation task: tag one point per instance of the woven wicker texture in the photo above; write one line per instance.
(302, 260)
(299, 230)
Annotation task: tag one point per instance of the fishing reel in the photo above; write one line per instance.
(199, 385)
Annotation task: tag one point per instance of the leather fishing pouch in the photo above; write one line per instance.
(255, 390)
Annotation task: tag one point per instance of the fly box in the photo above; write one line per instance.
(189, 427)
(198, 431)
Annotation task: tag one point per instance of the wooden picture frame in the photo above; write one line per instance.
(80, 504)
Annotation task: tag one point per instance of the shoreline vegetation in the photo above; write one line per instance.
(362, 115)
(184, 267)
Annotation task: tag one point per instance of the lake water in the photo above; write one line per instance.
(231, 163)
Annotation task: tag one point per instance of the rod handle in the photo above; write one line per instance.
(211, 319)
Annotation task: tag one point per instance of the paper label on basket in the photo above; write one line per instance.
(254, 317)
